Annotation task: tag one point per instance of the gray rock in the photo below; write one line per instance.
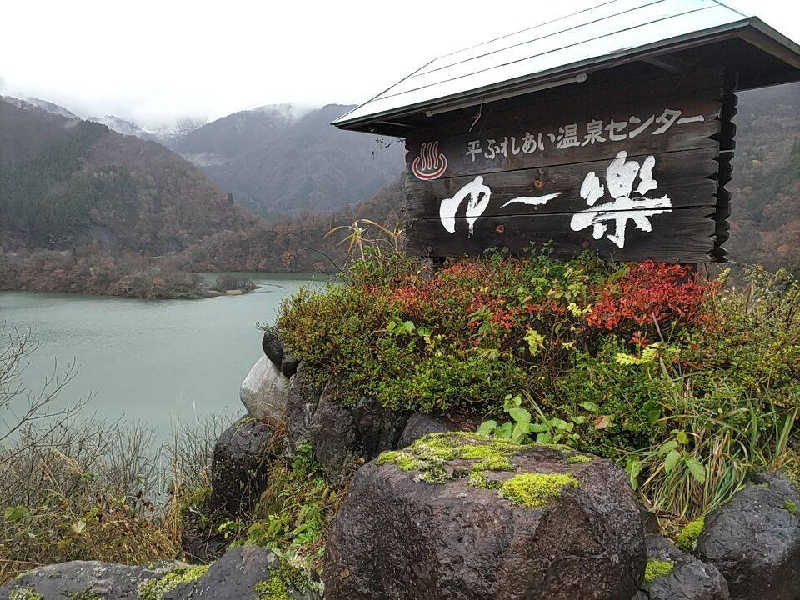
(272, 346)
(754, 540)
(419, 425)
(264, 392)
(344, 437)
(107, 580)
(304, 393)
(289, 364)
(242, 457)
(235, 576)
(649, 520)
(397, 537)
(690, 579)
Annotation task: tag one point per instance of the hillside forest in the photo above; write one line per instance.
(86, 209)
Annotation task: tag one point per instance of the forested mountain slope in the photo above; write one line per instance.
(278, 164)
(765, 219)
(66, 182)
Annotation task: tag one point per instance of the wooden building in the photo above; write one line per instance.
(611, 129)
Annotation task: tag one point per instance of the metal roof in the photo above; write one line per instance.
(610, 29)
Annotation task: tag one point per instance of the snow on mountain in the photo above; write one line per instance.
(124, 127)
(39, 104)
(289, 112)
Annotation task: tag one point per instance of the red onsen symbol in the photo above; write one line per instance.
(430, 164)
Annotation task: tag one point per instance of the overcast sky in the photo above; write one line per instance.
(156, 60)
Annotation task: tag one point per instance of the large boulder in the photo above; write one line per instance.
(462, 516)
(84, 579)
(675, 575)
(289, 364)
(344, 437)
(242, 456)
(265, 392)
(272, 346)
(420, 425)
(754, 540)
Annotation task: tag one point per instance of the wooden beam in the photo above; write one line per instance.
(766, 44)
(670, 64)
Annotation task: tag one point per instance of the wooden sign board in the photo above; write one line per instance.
(632, 171)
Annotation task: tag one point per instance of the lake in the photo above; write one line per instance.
(151, 360)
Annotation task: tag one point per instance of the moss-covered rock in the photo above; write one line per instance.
(671, 574)
(459, 515)
(85, 580)
(656, 569)
(535, 490)
(24, 593)
(754, 540)
(158, 587)
(687, 538)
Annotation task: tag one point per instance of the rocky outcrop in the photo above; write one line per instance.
(265, 392)
(280, 356)
(420, 425)
(272, 346)
(675, 575)
(460, 516)
(344, 437)
(84, 579)
(754, 540)
(289, 364)
(301, 404)
(239, 468)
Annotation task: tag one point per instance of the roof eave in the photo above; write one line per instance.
(790, 54)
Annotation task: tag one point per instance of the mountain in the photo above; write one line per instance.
(223, 140)
(65, 182)
(278, 162)
(765, 199)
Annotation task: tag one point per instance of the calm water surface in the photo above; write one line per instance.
(154, 361)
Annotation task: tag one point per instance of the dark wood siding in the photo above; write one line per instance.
(513, 147)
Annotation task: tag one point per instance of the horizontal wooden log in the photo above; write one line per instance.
(504, 149)
(613, 89)
(683, 235)
(686, 177)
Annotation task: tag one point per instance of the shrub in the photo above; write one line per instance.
(688, 383)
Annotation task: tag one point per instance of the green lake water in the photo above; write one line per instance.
(153, 361)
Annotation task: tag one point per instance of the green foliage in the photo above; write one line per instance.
(548, 430)
(687, 383)
(535, 490)
(292, 513)
(687, 538)
(657, 568)
(282, 583)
